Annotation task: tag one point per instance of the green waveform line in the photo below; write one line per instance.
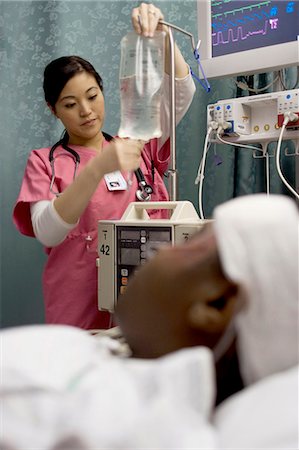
(237, 10)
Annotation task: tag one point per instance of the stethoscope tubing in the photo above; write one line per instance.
(143, 193)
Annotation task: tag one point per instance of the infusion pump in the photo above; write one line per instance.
(125, 244)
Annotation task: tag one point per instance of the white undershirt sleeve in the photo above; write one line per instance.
(49, 228)
(184, 93)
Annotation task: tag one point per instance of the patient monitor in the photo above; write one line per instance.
(126, 244)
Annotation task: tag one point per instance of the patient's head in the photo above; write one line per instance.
(180, 298)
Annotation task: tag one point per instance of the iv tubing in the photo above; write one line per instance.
(200, 175)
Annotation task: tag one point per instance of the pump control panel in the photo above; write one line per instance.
(126, 244)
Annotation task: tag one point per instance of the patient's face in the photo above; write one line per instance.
(178, 299)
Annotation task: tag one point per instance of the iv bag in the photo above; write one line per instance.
(140, 81)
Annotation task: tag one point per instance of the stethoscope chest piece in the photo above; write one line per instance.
(145, 191)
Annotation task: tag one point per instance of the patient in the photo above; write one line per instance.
(182, 299)
(239, 276)
(64, 389)
(246, 261)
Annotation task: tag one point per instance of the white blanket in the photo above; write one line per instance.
(63, 389)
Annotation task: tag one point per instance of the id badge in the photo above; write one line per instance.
(115, 181)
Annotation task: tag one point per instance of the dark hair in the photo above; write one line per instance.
(59, 71)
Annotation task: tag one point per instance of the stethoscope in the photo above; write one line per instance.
(143, 193)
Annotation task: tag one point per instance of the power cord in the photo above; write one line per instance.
(221, 128)
(244, 86)
(288, 117)
(281, 79)
(224, 127)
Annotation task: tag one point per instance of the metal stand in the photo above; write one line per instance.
(172, 172)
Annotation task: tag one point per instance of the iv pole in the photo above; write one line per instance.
(172, 170)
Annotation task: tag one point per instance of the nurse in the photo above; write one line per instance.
(61, 203)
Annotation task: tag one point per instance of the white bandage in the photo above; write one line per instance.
(258, 241)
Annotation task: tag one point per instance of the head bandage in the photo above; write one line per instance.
(258, 244)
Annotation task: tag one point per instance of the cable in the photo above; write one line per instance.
(200, 173)
(250, 147)
(244, 86)
(281, 79)
(289, 116)
(225, 341)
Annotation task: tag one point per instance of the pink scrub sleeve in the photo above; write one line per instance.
(160, 156)
(35, 186)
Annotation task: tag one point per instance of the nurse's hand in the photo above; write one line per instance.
(122, 154)
(145, 19)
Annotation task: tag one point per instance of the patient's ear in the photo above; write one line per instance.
(212, 317)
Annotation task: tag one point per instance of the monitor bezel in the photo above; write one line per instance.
(258, 60)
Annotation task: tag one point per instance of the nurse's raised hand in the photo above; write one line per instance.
(145, 19)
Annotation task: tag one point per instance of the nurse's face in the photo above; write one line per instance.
(81, 109)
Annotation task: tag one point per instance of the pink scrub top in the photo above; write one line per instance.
(70, 274)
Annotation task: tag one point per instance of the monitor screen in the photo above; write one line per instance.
(240, 37)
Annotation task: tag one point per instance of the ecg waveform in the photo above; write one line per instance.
(242, 9)
(239, 35)
(241, 21)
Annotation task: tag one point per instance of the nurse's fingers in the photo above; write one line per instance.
(145, 19)
(128, 153)
(131, 145)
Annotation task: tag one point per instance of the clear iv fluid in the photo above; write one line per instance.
(140, 80)
(140, 111)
